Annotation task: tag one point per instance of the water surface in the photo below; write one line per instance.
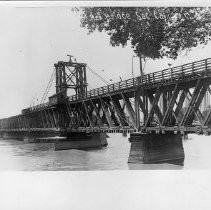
(17, 155)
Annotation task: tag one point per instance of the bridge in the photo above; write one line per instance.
(156, 109)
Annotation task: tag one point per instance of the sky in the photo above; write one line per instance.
(34, 37)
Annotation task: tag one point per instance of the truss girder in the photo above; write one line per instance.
(88, 114)
(96, 111)
(191, 102)
(176, 105)
(171, 104)
(129, 108)
(180, 102)
(107, 114)
(119, 111)
(195, 109)
(170, 111)
(154, 106)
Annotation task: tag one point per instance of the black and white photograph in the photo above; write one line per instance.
(105, 105)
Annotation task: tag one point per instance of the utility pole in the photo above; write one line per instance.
(132, 65)
(138, 93)
(144, 97)
(141, 68)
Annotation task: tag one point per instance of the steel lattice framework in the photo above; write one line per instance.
(175, 99)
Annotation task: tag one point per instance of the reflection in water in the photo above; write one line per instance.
(17, 155)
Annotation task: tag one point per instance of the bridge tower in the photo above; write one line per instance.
(70, 75)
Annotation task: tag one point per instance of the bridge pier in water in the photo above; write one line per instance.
(82, 141)
(12, 135)
(62, 140)
(154, 148)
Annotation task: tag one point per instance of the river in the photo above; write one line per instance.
(19, 156)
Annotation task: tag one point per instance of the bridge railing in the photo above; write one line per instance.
(39, 106)
(191, 69)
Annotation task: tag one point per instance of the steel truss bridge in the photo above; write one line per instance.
(172, 100)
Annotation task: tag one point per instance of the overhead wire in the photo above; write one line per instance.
(48, 87)
(100, 77)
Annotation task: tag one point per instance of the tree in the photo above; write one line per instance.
(153, 32)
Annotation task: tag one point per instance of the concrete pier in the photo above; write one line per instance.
(73, 140)
(155, 148)
(61, 140)
(12, 135)
(82, 141)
